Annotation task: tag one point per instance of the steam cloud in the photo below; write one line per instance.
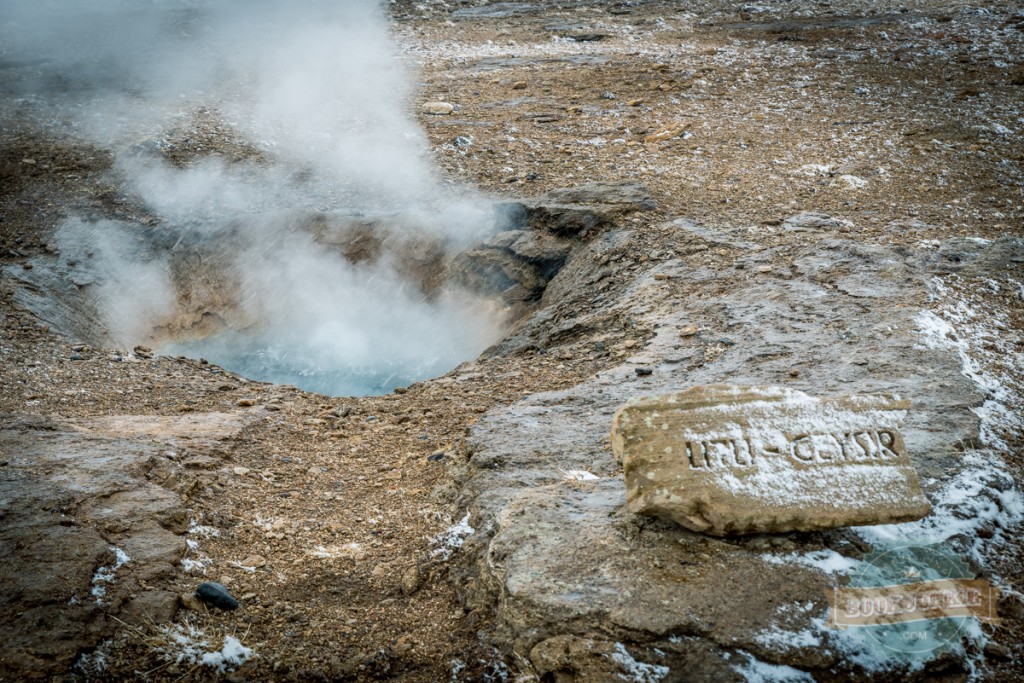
(313, 95)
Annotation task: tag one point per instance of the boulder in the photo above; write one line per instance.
(583, 208)
(727, 460)
(438, 108)
(216, 595)
(626, 196)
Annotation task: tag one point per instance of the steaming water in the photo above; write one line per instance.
(317, 90)
(285, 365)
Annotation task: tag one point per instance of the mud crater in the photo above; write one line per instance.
(501, 278)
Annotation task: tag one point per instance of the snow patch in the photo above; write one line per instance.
(580, 475)
(851, 182)
(451, 539)
(94, 663)
(231, 655)
(637, 672)
(194, 566)
(197, 564)
(935, 332)
(105, 575)
(815, 170)
(981, 497)
(196, 529)
(756, 671)
(457, 667)
(187, 644)
(828, 561)
(780, 640)
(850, 644)
(983, 493)
(350, 550)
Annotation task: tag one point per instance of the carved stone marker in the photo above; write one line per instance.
(729, 460)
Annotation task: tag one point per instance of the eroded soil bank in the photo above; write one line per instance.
(837, 207)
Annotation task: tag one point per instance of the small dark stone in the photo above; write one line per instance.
(76, 356)
(643, 372)
(216, 595)
(435, 457)
(588, 37)
(599, 346)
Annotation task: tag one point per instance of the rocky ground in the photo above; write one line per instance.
(824, 174)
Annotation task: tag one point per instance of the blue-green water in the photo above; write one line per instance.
(332, 376)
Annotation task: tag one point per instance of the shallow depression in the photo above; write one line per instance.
(247, 144)
(361, 341)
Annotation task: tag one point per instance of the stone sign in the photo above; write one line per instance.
(729, 460)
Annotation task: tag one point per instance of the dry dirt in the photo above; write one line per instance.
(904, 118)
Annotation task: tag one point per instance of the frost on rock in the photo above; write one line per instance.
(820, 636)
(637, 672)
(982, 495)
(756, 671)
(451, 539)
(828, 561)
(187, 644)
(105, 575)
(977, 510)
(851, 182)
(202, 531)
(780, 640)
(457, 667)
(197, 564)
(92, 664)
